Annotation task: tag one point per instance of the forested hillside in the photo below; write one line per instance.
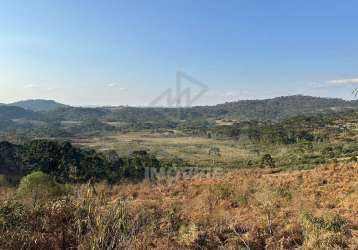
(12, 112)
(269, 109)
(283, 107)
(59, 121)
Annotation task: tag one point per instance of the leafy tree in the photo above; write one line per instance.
(134, 166)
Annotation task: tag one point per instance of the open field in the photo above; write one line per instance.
(243, 209)
(194, 150)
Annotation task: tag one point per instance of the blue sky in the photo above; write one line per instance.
(128, 52)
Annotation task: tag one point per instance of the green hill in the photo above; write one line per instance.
(280, 107)
(38, 105)
(12, 112)
(268, 109)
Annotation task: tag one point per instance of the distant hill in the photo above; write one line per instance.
(38, 105)
(20, 124)
(279, 107)
(75, 114)
(12, 112)
(268, 109)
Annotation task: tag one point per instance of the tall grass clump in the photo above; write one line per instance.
(326, 232)
(220, 191)
(113, 229)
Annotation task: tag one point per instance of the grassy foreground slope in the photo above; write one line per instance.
(243, 209)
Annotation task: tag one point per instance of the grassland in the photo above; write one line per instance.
(195, 150)
(243, 209)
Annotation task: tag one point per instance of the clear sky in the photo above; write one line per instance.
(128, 52)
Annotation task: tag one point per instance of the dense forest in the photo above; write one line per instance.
(67, 163)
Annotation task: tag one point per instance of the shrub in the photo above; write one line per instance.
(12, 214)
(353, 159)
(240, 200)
(3, 181)
(267, 161)
(173, 218)
(189, 235)
(113, 229)
(50, 225)
(283, 192)
(220, 191)
(333, 223)
(39, 186)
(325, 232)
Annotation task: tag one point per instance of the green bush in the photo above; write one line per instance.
(12, 214)
(39, 186)
(267, 161)
(353, 159)
(326, 232)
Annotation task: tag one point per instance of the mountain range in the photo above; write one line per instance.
(268, 109)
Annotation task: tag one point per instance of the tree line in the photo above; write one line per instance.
(67, 163)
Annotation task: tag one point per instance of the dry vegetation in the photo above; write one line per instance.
(244, 209)
(193, 150)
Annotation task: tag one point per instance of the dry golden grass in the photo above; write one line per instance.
(194, 150)
(243, 209)
(329, 188)
(246, 198)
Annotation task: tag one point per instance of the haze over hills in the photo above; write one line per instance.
(268, 109)
(38, 105)
(13, 112)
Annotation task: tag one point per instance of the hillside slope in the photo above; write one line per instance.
(245, 209)
(269, 109)
(281, 107)
(12, 112)
(38, 105)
